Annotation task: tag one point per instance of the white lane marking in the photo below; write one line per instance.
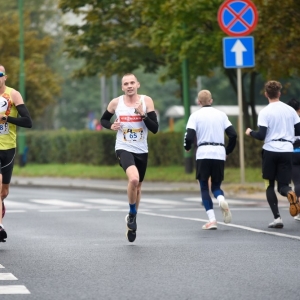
(63, 210)
(13, 289)
(56, 202)
(1, 267)
(230, 225)
(161, 201)
(7, 276)
(215, 201)
(14, 204)
(15, 211)
(106, 201)
(203, 209)
(119, 210)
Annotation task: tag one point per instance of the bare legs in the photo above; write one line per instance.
(134, 186)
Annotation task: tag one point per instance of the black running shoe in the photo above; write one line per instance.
(131, 235)
(3, 234)
(131, 222)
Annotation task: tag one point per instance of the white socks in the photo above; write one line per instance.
(220, 198)
(211, 215)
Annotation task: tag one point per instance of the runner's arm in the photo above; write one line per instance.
(151, 122)
(24, 120)
(105, 119)
(260, 134)
(189, 139)
(297, 129)
(107, 115)
(231, 133)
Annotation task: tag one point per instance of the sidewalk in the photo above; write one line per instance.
(239, 191)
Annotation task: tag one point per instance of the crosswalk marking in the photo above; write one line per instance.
(215, 201)
(7, 276)
(15, 204)
(63, 210)
(13, 289)
(56, 202)
(106, 204)
(106, 201)
(161, 201)
(15, 211)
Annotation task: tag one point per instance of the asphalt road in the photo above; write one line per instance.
(69, 244)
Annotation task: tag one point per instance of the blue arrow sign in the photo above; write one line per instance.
(238, 52)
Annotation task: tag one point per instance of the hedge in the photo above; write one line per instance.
(97, 148)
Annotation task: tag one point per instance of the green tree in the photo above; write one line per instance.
(41, 85)
(106, 38)
(117, 36)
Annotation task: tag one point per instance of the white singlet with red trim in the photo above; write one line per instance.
(133, 134)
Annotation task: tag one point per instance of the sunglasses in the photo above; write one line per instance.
(2, 74)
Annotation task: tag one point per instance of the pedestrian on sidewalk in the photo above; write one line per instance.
(135, 115)
(208, 126)
(11, 104)
(295, 104)
(278, 123)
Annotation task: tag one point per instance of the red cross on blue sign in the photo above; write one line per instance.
(237, 17)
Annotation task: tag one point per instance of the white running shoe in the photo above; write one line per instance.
(277, 223)
(210, 226)
(225, 211)
(297, 218)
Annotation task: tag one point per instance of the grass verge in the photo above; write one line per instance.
(163, 174)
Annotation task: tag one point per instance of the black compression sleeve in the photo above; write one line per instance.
(231, 133)
(105, 119)
(260, 134)
(189, 139)
(151, 121)
(297, 129)
(24, 120)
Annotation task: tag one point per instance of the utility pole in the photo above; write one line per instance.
(188, 156)
(21, 134)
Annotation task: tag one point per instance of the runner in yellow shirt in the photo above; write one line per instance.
(11, 105)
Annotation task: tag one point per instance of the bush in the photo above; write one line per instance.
(98, 148)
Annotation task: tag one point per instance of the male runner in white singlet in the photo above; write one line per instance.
(135, 116)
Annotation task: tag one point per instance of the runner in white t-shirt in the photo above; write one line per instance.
(135, 116)
(278, 123)
(208, 125)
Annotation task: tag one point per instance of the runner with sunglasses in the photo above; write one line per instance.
(11, 105)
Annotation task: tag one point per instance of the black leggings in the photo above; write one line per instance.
(283, 189)
(272, 199)
(296, 172)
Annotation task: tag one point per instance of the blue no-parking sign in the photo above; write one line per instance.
(238, 52)
(237, 17)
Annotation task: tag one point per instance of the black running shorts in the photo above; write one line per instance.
(127, 159)
(213, 168)
(277, 166)
(7, 164)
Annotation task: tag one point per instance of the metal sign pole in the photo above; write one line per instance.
(241, 131)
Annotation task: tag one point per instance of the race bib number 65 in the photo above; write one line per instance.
(133, 135)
